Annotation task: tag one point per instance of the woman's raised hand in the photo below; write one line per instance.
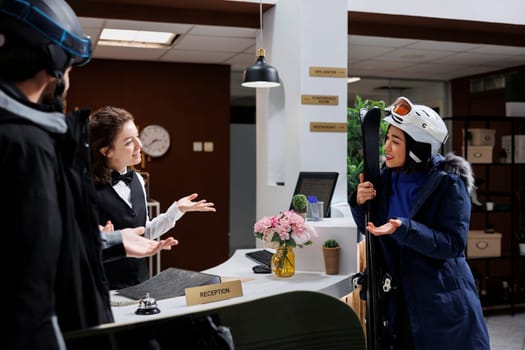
(187, 203)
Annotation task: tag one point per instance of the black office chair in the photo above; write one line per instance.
(296, 320)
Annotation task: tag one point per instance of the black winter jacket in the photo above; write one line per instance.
(56, 282)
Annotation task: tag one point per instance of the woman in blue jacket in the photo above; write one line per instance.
(422, 223)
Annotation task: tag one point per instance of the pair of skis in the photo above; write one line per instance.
(375, 311)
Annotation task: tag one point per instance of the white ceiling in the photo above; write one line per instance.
(383, 61)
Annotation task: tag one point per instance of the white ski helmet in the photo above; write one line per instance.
(420, 122)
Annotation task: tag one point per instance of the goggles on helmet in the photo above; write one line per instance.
(78, 47)
(401, 108)
(404, 112)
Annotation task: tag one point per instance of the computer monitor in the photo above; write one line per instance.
(319, 184)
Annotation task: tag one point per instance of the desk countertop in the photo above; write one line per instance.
(254, 286)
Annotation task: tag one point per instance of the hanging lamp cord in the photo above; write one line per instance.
(260, 23)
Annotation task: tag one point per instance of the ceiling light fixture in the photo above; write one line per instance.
(136, 38)
(260, 74)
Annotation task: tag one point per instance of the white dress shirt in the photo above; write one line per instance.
(162, 222)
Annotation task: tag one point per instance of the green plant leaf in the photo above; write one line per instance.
(330, 243)
(354, 139)
(299, 202)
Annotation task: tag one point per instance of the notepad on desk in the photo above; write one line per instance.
(169, 283)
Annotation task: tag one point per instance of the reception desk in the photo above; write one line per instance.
(300, 312)
(254, 286)
(291, 320)
(309, 275)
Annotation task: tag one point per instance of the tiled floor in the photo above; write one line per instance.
(506, 332)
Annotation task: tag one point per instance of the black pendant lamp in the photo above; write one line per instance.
(260, 74)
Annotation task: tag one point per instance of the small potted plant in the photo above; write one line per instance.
(331, 252)
(299, 204)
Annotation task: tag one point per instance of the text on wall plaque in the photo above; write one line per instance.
(320, 100)
(327, 127)
(330, 72)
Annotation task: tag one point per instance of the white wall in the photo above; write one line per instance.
(300, 34)
(502, 11)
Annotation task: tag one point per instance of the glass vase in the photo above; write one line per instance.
(283, 262)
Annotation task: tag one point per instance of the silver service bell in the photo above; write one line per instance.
(147, 306)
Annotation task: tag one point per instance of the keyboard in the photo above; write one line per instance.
(262, 257)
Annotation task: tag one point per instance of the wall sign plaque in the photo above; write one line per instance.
(320, 100)
(330, 72)
(327, 127)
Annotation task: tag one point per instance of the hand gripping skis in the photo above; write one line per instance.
(375, 280)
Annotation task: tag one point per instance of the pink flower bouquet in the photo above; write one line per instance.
(287, 229)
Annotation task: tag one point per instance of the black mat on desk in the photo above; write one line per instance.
(169, 283)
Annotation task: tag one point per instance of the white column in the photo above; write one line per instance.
(299, 34)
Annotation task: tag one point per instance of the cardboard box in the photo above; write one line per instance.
(482, 245)
(519, 148)
(478, 154)
(515, 109)
(481, 137)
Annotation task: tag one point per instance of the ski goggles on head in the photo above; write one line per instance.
(416, 119)
(400, 109)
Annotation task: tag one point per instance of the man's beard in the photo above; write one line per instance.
(49, 99)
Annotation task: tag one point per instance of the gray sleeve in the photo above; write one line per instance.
(110, 239)
(112, 246)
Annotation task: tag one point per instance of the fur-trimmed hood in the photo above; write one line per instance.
(455, 164)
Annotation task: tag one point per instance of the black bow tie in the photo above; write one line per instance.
(116, 177)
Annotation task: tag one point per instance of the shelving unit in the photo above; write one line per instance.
(501, 279)
(154, 210)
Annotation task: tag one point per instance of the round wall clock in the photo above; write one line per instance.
(155, 140)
